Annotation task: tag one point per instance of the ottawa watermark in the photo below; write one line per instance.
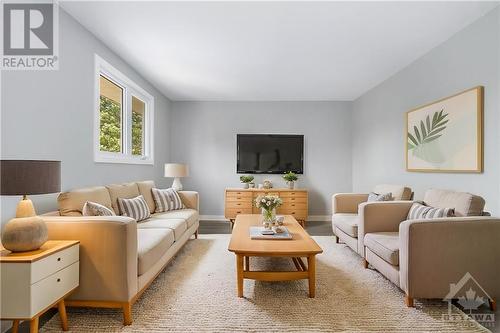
(30, 35)
(468, 295)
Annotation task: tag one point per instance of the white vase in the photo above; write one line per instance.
(291, 185)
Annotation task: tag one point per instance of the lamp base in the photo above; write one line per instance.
(24, 234)
(177, 185)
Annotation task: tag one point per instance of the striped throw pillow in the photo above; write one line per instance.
(136, 208)
(419, 211)
(167, 199)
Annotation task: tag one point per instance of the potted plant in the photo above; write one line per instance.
(268, 204)
(246, 179)
(290, 178)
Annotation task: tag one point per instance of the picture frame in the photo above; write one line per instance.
(446, 135)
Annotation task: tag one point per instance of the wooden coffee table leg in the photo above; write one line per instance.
(239, 274)
(311, 268)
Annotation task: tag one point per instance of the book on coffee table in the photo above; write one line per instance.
(256, 233)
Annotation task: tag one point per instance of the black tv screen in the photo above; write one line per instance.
(270, 153)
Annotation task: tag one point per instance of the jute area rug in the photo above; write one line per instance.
(197, 293)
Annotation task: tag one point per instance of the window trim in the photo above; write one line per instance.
(130, 89)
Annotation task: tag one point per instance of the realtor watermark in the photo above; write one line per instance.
(30, 35)
(472, 299)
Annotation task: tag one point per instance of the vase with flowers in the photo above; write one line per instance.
(268, 205)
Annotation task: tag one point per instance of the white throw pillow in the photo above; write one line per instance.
(167, 199)
(94, 209)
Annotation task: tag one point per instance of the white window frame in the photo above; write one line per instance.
(130, 89)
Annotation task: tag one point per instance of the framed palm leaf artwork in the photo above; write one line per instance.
(446, 135)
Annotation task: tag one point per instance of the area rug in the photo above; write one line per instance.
(197, 293)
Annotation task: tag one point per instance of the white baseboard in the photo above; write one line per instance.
(221, 218)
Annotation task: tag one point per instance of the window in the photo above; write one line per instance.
(124, 118)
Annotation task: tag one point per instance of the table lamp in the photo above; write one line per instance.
(27, 231)
(177, 171)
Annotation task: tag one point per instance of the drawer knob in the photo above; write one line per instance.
(58, 280)
(58, 259)
(238, 212)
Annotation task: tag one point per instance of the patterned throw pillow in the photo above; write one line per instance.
(419, 211)
(166, 200)
(94, 209)
(136, 208)
(379, 197)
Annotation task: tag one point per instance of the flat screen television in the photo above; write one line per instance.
(269, 153)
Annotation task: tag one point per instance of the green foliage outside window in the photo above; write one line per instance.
(110, 125)
(137, 128)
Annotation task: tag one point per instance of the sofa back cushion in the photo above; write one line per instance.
(71, 203)
(124, 191)
(399, 192)
(145, 190)
(465, 204)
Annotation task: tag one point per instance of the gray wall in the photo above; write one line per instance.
(49, 115)
(468, 59)
(204, 136)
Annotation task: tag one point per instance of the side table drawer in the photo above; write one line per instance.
(53, 287)
(53, 263)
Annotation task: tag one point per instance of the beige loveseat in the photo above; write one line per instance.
(345, 218)
(423, 257)
(119, 257)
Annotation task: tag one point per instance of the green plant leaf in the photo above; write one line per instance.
(422, 128)
(412, 138)
(417, 134)
(436, 131)
(428, 123)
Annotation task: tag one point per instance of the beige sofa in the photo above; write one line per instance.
(119, 258)
(423, 257)
(345, 218)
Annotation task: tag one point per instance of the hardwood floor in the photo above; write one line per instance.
(314, 228)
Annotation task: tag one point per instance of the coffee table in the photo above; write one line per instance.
(301, 246)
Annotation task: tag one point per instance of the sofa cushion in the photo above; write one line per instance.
(188, 214)
(71, 203)
(124, 191)
(348, 223)
(399, 192)
(151, 246)
(179, 226)
(145, 189)
(385, 245)
(465, 204)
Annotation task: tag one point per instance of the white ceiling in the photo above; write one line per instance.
(272, 50)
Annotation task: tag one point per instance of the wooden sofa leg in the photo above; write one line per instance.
(365, 263)
(493, 305)
(337, 239)
(409, 301)
(127, 313)
(196, 234)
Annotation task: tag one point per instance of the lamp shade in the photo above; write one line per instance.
(176, 170)
(23, 177)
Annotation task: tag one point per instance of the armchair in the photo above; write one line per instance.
(423, 257)
(345, 218)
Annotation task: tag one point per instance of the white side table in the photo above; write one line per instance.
(35, 281)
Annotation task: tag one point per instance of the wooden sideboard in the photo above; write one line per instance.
(242, 201)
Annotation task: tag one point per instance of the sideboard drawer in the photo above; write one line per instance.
(232, 198)
(53, 263)
(232, 212)
(287, 194)
(53, 287)
(239, 204)
(241, 194)
(300, 214)
(294, 199)
(293, 206)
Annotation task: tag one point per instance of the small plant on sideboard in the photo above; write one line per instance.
(290, 178)
(246, 180)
